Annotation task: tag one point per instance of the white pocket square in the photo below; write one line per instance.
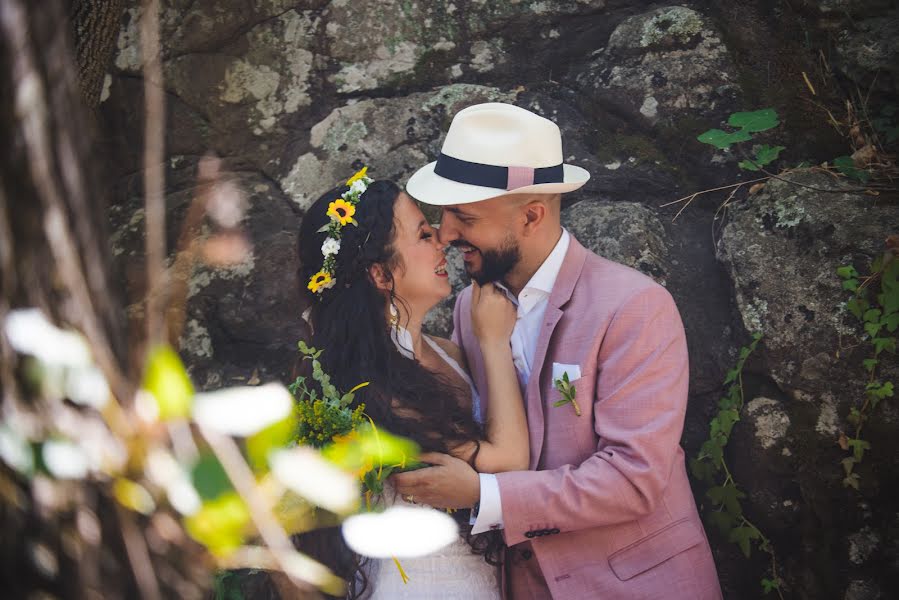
(559, 369)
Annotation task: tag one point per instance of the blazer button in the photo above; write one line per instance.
(528, 534)
(526, 554)
(554, 530)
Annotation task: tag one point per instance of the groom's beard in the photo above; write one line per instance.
(495, 263)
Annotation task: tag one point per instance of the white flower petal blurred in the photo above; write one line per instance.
(183, 496)
(64, 459)
(87, 387)
(243, 410)
(164, 471)
(16, 451)
(400, 531)
(304, 471)
(30, 332)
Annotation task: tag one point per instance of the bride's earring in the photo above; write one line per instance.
(394, 316)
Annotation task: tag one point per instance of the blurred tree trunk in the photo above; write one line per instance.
(53, 255)
(53, 252)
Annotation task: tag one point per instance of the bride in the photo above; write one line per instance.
(368, 294)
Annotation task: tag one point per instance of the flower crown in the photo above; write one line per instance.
(341, 212)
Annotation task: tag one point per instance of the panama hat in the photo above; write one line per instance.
(492, 150)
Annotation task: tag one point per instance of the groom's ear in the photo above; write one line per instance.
(534, 215)
(381, 277)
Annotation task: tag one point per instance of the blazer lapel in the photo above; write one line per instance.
(561, 293)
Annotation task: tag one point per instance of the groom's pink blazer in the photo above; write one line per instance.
(606, 510)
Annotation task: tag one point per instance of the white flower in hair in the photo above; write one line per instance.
(359, 185)
(331, 246)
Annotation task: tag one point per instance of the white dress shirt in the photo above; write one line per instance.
(531, 302)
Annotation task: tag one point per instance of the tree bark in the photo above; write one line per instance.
(96, 25)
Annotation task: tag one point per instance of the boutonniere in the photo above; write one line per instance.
(568, 391)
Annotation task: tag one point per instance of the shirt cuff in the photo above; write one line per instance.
(490, 512)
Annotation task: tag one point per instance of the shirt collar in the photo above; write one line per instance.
(541, 283)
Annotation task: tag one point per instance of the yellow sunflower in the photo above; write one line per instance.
(319, 280)
(357, 176)
(342, 211)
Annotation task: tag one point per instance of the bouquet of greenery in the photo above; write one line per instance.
(346, 435)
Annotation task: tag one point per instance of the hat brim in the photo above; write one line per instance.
(430, 188)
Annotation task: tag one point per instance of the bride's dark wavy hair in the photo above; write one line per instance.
(348, 323)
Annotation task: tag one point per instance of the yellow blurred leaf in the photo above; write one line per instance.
(369, 447)
(273, 437)
(220, 524)
(133, 496)
(295, 514)
(166, 379)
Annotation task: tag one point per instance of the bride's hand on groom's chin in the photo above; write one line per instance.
(449, 483)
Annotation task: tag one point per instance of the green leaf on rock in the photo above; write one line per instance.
(753, 121)
(722, 139)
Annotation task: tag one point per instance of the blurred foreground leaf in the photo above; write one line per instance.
(166, 379)
(273, 437)
(220, 524)
(209, 478)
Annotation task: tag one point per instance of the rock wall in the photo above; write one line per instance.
(295, 95)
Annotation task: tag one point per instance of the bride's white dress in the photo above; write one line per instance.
(453, 573)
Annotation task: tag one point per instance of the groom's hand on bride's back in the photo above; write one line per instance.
(448, 483)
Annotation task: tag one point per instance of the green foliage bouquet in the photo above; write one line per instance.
(346, 435)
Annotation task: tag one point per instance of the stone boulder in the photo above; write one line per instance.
(782, 247)
(663, 65)
(394, 136)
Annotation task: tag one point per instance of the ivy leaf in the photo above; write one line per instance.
(766, 154)
(714, 451)
(722, 139)
(857, 306)
(757, 120)
(847, 272)
(872, 315)
(858, 448)
(846, 166)
(848, 464)
(769, 585)
(747, 165)
(881, 344)
(731, 376)
(870, 364)
(727, 496)
(722, 520)
(727, 419)
(872, 329)
(702, 470)
(890, 280)
(850, 284)
(851, 480)
(891, 322)
(742, 537)
(880, 391)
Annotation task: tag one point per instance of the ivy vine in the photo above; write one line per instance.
(875, 303)
(710, 467)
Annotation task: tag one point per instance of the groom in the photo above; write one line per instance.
(606, 510)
